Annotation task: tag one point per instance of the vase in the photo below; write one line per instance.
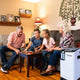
(73, 21)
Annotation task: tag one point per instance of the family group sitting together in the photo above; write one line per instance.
(16, 40)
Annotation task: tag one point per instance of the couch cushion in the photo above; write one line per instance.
(8, 54)
(76, 34)
(4, 38)
(52, 34)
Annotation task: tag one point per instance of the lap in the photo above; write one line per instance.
(45, 52)
(4, 48)
(56, 52)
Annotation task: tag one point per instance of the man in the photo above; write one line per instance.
(15, 41)
(35, 43)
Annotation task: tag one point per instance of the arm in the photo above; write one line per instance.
(57, 48)
(12, 48)
(42, 46)
(23, 42)
(54, 48)
(38, 47)
(29, 45)
(23, 45)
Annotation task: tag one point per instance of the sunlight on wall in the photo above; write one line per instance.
(43, 27)
(33, 1)
(42, 13)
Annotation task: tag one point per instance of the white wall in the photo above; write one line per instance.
(12, 7)
(49, 9)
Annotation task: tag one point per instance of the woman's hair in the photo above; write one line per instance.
(64, 25)
(47, 32)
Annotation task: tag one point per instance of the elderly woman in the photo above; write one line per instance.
(66, 41)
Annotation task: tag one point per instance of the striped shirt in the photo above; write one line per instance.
(67, 41)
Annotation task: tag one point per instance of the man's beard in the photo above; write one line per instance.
(19, 35)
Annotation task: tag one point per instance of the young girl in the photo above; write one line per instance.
(49, 43)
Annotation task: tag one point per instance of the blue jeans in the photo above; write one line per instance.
(54, 57)
(44, 57)
(3, 50)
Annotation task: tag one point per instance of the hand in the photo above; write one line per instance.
(17, 51)
(36, 51)
(35, 48)
(50, 49)
(23, 45)
(46, 49)
(57, 48)
(25, 50)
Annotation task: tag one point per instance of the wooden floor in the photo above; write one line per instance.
(34, 74)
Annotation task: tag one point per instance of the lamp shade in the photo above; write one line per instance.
(38, 21)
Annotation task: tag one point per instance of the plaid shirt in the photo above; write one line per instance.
(67, 41)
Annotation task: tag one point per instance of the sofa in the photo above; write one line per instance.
(56, 35)
(3, 41)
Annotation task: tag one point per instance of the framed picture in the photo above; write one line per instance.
(10, 17)
(28, 11)
(21, 11)
(17, 18)
(3, 18)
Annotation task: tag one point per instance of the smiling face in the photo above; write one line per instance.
(19, 32)
(36, 34)
(44, 34)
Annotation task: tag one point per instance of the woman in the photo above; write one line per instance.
(66, 41)
(49, 43)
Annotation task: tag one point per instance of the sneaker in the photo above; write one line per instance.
(4, 70)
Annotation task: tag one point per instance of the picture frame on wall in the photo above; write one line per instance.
(21, 11)
(27, 11)
(17, 18)
(10, 17)
(3, 18)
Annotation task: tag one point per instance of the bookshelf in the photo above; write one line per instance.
(25, 15)
(9, 23)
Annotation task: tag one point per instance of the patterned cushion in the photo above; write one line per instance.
(8, 54)
(4, 38)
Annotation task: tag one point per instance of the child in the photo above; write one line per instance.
(49, 43)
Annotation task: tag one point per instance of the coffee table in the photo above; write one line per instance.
(29, 56)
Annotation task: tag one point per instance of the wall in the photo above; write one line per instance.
(49, 11)
(12, 7)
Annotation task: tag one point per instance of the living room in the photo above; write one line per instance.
(41, 14)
